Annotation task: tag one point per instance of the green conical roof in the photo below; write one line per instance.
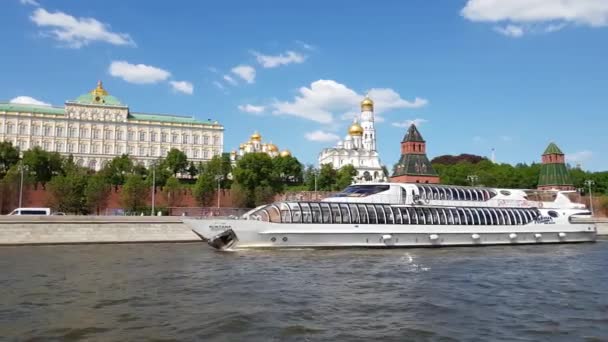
(552, 149)
(412, 135)
(554, 174)
(414, 165)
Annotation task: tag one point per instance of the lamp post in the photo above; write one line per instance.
(316, 195)
(590, 183)
(472, 179)
(153, 188)
(21, 167)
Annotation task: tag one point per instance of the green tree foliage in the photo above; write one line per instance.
(9, 189)
(256, 170)
(218, 166)
(134, 193)
(288, 169)
(326, 179)
(461, 158)
(9, 156)
(176, 161)
(118, 169)
(42, 165)
(204, 188)
(344, 177)
(67, 192)
(173, 192)
(240, 196)
(192, 170)
(96, 193)
(263, 195)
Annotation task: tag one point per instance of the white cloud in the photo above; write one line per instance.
(29, 2)
(249, 108)
(28, 100)
(514, 31)
(408, 123)
(77, 32)
(230, 80)
(529, 14)
(138, 73)
(245, 72)
(270, 61)
(324, 98)
(182, 86)
(579, 157)
(321, 136)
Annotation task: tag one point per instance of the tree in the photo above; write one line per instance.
(344, 177)
(172, 192)
(67, 192)
(204, 188)
(327, 178)
(288, 169)
(256, 169)
(176, 161)
(219, 166)
(9, 156)
(134, 193)
(263, 195)
(118, 169)
(192, 170)
(240, 196)
(97, 192)
(42, 164)
(309, 177)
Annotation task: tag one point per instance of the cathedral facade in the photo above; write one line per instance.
(96, 127)
(256, 145)
(358, 148)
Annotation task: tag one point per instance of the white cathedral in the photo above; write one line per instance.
(358, 148)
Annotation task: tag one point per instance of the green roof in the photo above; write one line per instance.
(30, 108)
(168, 118)
(552, 149)
(89, 98)
(414, 165)
(413, 135)
(554, 174)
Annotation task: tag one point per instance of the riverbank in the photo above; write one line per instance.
(23, 230)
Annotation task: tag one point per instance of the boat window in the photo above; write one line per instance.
(345, 214)
(335, 213)
(326, 213)
(360, 190)
(518, 219)
(511, 216)
(421, 193)
(435, 192)
(363, 212)
(497, 216)
(413, 213)
(443, 219)
(451, 216)
(354, 213)
(488, 216)
(431, 215)
(403, 196)
(450, 195)
(296, 213)
(390, 217)
(373, 215)
(381, 213)
(475, 216)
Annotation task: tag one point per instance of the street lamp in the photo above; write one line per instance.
(590, 183)
(218, 178)
(472, 179)
(21, 169)
(153, 187)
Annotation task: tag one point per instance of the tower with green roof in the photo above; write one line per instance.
(414, 166)
(553, 172)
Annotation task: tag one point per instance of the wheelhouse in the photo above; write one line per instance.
(371, 213)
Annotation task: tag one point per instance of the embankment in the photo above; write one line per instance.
(23, 230)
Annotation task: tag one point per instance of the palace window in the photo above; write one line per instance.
(184, 138)
(21, 144)
(195, 153)
(84, 133)
(72, 132)
(107, 149)
(119, 150)
(163, 151)
(142, 151)
(70, 148)
(216, 140)
(36, 130)
(130, 149)
(174, 138)
(83, 148)
(9, 128)
(206, 154)
(22, 129)
(59, 147)
(46, 146)
(153, 136)
(131, 135)
(95, 134)
(119, 135)
(94, 148)
(164, 137)
(58, 131)
(142, 136)
(205, 140)
(195, 139)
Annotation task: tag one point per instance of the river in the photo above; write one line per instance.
(188, 292)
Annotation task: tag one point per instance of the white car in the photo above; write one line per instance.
(32, 211)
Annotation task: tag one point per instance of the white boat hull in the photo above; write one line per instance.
(261, 234)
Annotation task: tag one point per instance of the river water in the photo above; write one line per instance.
(171, 292)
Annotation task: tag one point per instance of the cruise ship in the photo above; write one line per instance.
(383, 215)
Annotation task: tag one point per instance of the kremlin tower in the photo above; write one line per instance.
(553, 172)
(414, 166)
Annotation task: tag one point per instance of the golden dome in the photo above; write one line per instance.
(285, 153)
(256, 136)
(367, 104)
(99, 91)
(355, 129)
(272, 148)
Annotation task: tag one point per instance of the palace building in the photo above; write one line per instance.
(553, 172)
(358, 148)
(96, 127)
(255, 145)
(414, 166)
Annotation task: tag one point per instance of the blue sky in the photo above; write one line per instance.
(475, 74)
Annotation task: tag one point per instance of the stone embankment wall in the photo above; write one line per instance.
(23, 230)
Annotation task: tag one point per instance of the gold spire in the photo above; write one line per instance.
(99, 91)
(355, 129)
(367, 104)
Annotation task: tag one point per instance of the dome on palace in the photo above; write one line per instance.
(285, 153)
(355, 129)
(367, 104)
(98, 96)
(272, 148)
(256, 136)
